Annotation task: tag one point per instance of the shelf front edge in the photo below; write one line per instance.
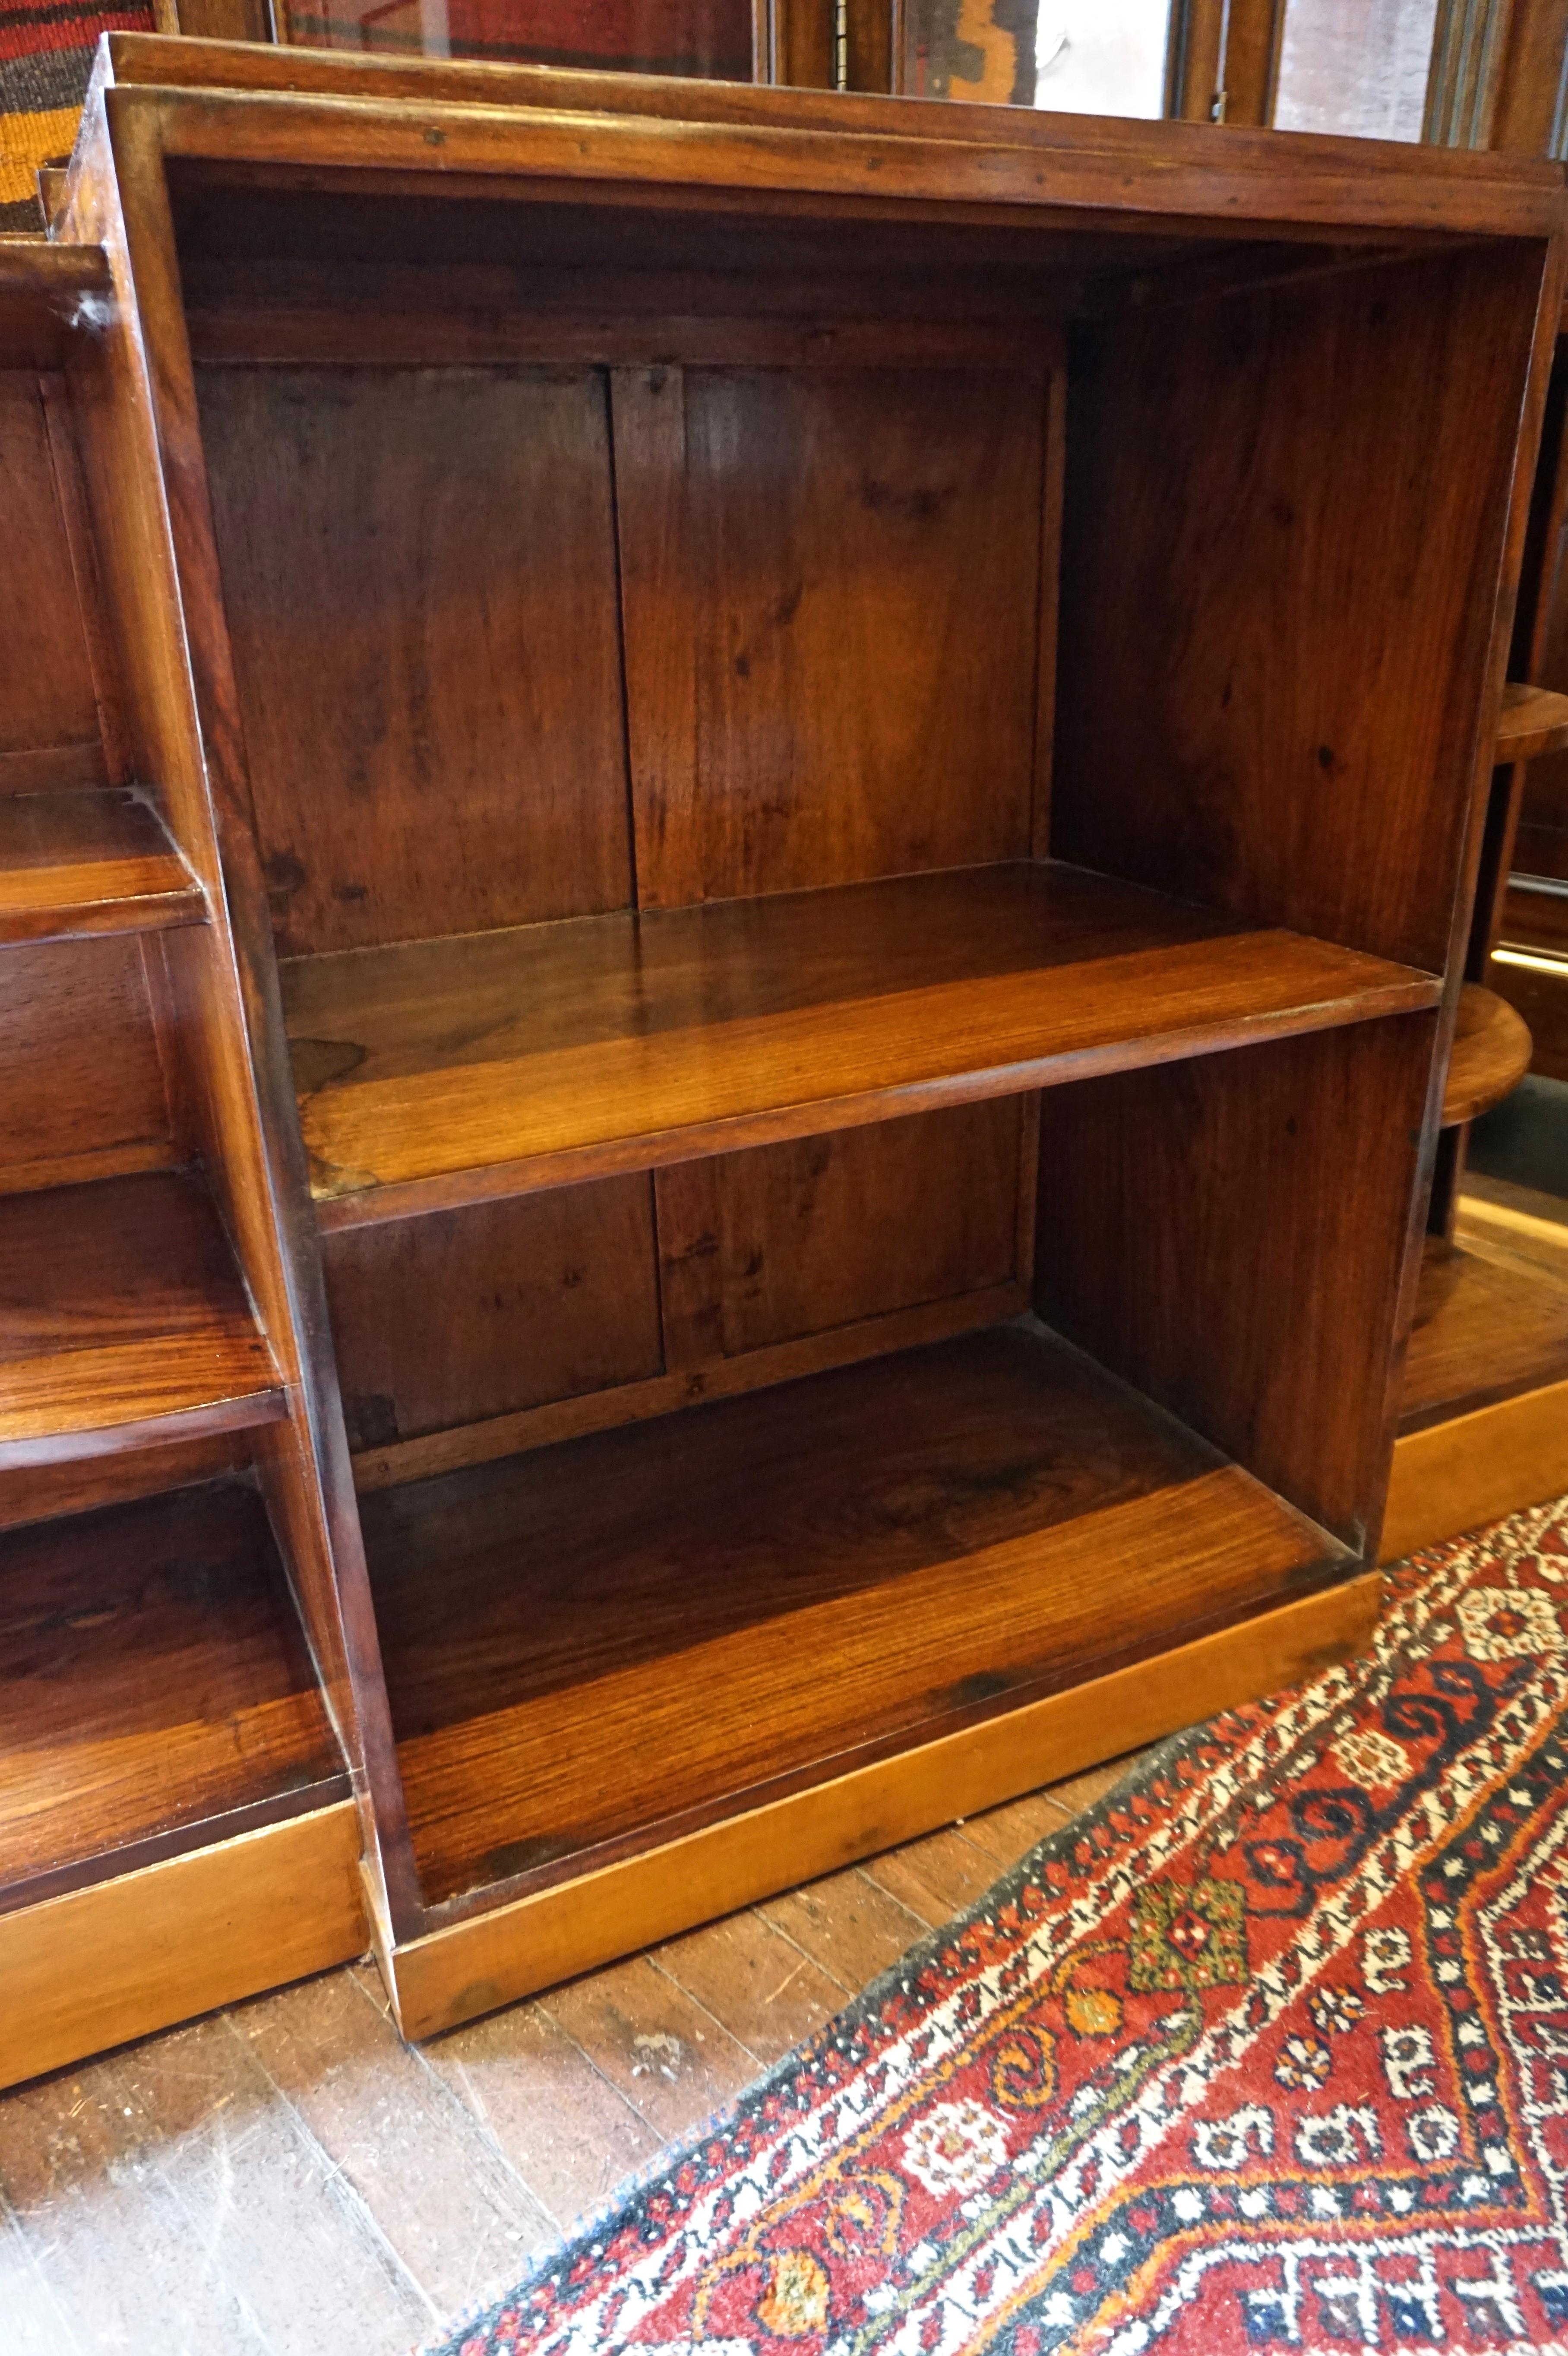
(343, 1204)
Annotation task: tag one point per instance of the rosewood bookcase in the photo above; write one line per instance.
(791, 783)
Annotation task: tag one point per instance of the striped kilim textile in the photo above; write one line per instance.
(45, 55)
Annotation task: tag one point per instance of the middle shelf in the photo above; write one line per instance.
(437, 1072)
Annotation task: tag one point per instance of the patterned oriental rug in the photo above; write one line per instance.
(1269, 2051)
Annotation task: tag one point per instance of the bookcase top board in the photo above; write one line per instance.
(679, 144)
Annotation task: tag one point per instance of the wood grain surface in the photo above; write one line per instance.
(80, 1080)
(471, 1966)
(46, 682)
(468, 1315)
(178, 1938)
(1534, 719)
(761, 1587)
(786, 1240)
(88, 862)
(1275, 649)
(830, 582)
(497, 1061)
(420, 580)
(123, 1322)
(1485, 1329)
(1229, 1234)
(155, 1680)
(1491, 1054)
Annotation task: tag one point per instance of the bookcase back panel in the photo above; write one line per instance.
(463, 1315)
(1228, 1234)
(419, 570)
(45, 685)
(80, 1079)
(831, 588)
(1284, 512)
(784, 1240)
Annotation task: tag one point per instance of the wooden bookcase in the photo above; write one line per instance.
(806, 774)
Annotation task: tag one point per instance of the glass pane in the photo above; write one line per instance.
(676, 36)
(1075, 57)
(1355, 66)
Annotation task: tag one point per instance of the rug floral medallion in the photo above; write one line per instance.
(1271, 2051)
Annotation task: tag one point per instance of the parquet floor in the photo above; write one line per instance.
(287, 2179)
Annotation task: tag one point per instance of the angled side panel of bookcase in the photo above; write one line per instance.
(133, 407)
(1337, 791)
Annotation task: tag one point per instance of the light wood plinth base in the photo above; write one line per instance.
(1493, 1320)
(1459, 1475)
(121, 1958)
(488, 1960)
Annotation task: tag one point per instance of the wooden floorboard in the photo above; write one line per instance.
(287, 2179)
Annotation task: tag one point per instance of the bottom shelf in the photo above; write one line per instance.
(1484, 1330)
(156, 1690)
(657, 1626)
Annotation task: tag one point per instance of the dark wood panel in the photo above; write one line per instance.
(1484, 1331)
(46, 684)
(622, 1632)
(552, 1052)
(123, 1322)
(479, 1313)
(153, 1678)
(758, 1248)
(1285, 526)
(79, 1065)
(420, 579)
(73, 863)
(1491, 1055)
(44, 1493)
(43, 291)
(830, 582)
(1229, 1235)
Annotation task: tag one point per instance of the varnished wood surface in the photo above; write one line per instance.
(420, 576)
(1535, 984)
(444, 1070)
(721, 137)
(764, 1248)
(88, 863)
(1206, 1231)
(46, 292)
(466, 1316)
(123, 1322)
(120, 1958)
(1485, 1329)
(830, 582)
(157, 1689)
(659, 1395)
(1491, 1054)
(1275, 651)
(1465, 1471)
(471, 1967)
(80, 1080)
(46, 704)
(761, 1586)
(1534, 719)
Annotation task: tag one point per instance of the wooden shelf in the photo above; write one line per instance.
(123, 1322)
(156, 1690)
(658, 1625)
(45, 294)
(1535, 721)
(439, 1071)
(1491, 1055)
(1484, 1329)
(90, 862)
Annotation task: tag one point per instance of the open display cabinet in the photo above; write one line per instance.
(842, 751)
